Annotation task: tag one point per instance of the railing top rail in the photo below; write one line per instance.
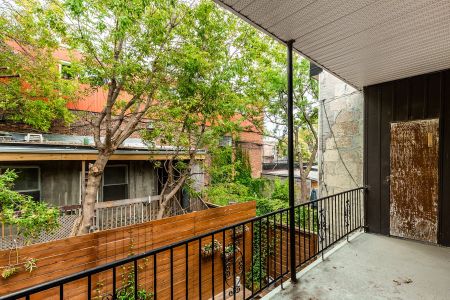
(117, 203)
(130, 259)
(334, 195)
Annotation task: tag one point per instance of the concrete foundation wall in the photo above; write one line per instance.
(341, 136)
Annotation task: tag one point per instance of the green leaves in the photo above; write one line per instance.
(28, 40)
(30, 217)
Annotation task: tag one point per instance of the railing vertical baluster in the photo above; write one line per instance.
(212, 267)
(260, 250)
(244, 279)
(342, 200)
(317, 226)
(223, 264)
(309, 230)
(342, 210)
(234, 263)
(200, 268)
(89, 287)
(114, 282)
(355, 211)
(341, 217)
(348, 209)
(339, 213)
(187, 270)
(336, 216)
(252, 254)
(299, 220)
(135, 262)
(330, 221)
(171, 273)
(360, 206)
(304, 235)
(357, 208)
(274, 250)
(281, 245)
(355, 203)
(106, 220)
(336, 208)
(155, 277)
(288, 216)
(61, 292)
(352, 225)
(267, 250)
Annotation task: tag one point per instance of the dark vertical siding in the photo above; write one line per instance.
(444, 225)
(373, 159)
(420, 97)
(385, 119)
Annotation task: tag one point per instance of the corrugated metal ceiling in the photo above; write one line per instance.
(363, 42)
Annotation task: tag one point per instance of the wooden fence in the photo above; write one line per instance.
(108, 215)
(70, 255)
(306, 247)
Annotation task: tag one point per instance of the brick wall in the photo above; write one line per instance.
(252, 143)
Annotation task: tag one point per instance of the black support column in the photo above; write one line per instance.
(290, 115)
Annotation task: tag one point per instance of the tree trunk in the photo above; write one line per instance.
(166, 197)
(303, 188)
(90, 197)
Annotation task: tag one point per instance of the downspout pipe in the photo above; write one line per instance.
(290, 116)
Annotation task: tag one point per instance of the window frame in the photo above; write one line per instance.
(15, 168)
(127, 181)
(61, 64)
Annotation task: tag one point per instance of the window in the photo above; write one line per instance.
(226, 141)
(66, 70)
(115, 183)
(28, 181)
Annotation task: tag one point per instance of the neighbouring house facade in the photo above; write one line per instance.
(341, 135)
(53, 166)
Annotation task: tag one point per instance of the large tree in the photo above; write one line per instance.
(31, 88)
(305, 110)
(126, 47)
(212, 94)
(186, 67)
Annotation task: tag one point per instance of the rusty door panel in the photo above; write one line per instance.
(414, 179)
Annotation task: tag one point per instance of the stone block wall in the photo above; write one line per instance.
(341, 135)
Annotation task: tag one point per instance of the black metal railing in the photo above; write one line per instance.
(241, 260)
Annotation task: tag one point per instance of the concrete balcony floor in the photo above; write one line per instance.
(375, 267)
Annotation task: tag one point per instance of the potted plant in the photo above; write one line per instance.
(208, 250)
(230, 251)
(239, 231)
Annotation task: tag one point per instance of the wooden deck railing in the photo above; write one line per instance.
(114, 214)
(108, 215)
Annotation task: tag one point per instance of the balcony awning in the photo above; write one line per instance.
(363, 42)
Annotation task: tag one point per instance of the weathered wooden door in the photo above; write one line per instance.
(414, 179)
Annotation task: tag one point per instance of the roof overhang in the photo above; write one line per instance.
(362, 42)
(19, 152)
